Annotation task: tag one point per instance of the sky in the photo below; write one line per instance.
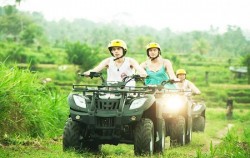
(178, 15)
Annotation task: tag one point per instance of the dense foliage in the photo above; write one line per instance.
(32, 29)
(31, 108)
(27, 107)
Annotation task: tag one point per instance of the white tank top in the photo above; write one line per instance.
(183, 85)
(117, 74)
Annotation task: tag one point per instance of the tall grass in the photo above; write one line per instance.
(28, 107)
(236, 144)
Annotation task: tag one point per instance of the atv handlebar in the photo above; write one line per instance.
(171, 81)
(135, 77)
(122, 83)
(93, 75)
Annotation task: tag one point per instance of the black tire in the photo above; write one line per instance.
(160, 144)
(189, 137)
(178, 131)
(71, 135)
(144, 137)
(93, 147)
(199, 124)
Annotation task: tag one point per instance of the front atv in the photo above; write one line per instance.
(112, 113)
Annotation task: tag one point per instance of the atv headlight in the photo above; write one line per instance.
(79, 101)
(174, 104)
(137, 103)
(197, 107)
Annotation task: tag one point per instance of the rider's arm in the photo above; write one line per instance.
(99, 67)
(137, 67)
(169, 68)
(193, 88)
(143, 65)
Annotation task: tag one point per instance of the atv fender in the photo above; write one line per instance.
(198, 110)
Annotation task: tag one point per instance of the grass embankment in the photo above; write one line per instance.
(28, 107)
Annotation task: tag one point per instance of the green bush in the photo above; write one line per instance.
(16, 53)
(27, 107)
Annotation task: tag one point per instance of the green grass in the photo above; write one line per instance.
(236, 143)
(28, 107)
(37, 113)
(203, 144)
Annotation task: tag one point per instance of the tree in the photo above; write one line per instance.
(141, 43)
(246, 61)
(30, 33)
(202, 46)
(21, 27)
(82, 54)
(234, 41)
(10, 23)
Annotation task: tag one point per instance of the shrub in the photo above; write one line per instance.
(26, 106)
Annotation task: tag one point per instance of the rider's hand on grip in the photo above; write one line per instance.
(94, 74)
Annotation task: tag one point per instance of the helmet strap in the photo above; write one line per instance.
(154, 57)
(123, 54)
(119, 58)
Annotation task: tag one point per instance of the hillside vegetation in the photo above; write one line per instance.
(40, 60)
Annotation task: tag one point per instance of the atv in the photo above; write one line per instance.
(112, 113)
(199, 116)
(176, 112)
(198, 113)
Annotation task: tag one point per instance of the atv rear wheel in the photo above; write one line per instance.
(72, 135)
(178, 131)
(160, 144)
(144, 137)
(199, 124)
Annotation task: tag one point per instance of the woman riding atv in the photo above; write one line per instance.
(157, 68)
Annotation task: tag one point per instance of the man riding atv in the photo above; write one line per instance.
(116, 111)
(198, 108)
(118, 66)
(184, 83)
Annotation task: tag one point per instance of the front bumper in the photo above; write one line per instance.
(90, 118)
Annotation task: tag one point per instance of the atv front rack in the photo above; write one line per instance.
(166, 90)
(159, 91)
(113, 89)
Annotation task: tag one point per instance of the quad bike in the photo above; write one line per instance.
(199, 116)
(176, 112)
(111, 113)
(198, 113)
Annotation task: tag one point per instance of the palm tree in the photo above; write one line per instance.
(202, 46)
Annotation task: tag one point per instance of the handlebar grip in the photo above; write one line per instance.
(81, 74)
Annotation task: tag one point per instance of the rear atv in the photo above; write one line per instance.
(199, 116)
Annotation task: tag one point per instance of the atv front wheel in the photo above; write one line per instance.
(199, 124)
(144, 137)
(93, 147)
(189, 137)
(160, 144)
(72, 135)
(178, 131)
